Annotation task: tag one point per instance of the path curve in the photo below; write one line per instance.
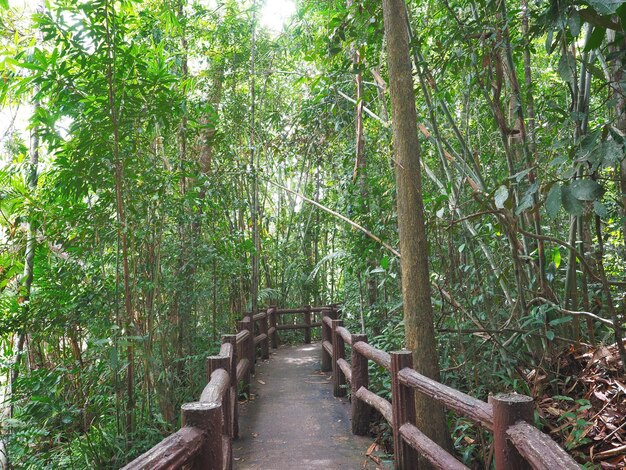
(294, 422)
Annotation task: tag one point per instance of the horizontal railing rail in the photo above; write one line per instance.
(517, 443)
(211, 423)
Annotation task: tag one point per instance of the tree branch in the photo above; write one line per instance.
(542, 300)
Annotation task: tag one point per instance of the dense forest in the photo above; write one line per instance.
(166, 165)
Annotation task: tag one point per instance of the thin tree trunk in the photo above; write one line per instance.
(418, 313)
(254, 283)
(122, 228)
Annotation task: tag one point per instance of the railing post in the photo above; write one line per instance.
(307, 322)
(212, 364)
(265, 344)
(251, 347)
(403, 409)
(327, 335)
(208, 417)
(508, 409)
(232, 371)
(272, 314)
(241, 326)
(360, 378)
(339, 352)
(326, 363)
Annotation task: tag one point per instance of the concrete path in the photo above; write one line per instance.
(294, 422)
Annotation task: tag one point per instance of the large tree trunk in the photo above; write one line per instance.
(418, 312)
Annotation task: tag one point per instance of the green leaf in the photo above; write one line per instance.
(600, 209)
(520, 175)
(594, 40)
(549, 43)
(384, 262)
(4, 4)
(502, 194)
(570, 203)
(567, 66)
(562, 398)
(559, 321)
(527, 200)
(612, 152)
(553, 201)
(574, 23)
(605, 7)
(556, 257)
(586, 190)
(550, 335)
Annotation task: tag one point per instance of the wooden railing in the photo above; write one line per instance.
(209, 425)
(517, 443)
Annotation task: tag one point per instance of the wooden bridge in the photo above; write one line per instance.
(205, 440)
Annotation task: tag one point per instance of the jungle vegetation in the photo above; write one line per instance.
(162, 168)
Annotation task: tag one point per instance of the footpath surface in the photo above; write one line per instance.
(294, 422)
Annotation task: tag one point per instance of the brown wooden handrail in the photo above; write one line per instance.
(470, 407)
(210, 424)
(172, 452)
(517, 443)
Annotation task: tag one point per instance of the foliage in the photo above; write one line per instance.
(142, 114)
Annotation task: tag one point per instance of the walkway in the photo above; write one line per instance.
(294, 422)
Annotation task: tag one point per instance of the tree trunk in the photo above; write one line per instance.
(418, 313)
(254, 282)
(122, 228)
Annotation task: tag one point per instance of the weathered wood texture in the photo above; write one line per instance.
(538, 449)
(377, 402)
(214, 391)
(209, 425)
(307, 322)
(516, 437)
(283, 311)
(208, 416)
(359, 379)
(345, 335)
(429, 449)
(339, 352)
(299, 326)
(403, 408)
(327, 347)
(260, 316)
(381, 358)
(232, 372)
(259, 338)
(345, 369)
(242, 336)
(273, 329)
(265, 344)
(508, 409)
(459, 402)
(172, 452)
(242, 369)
